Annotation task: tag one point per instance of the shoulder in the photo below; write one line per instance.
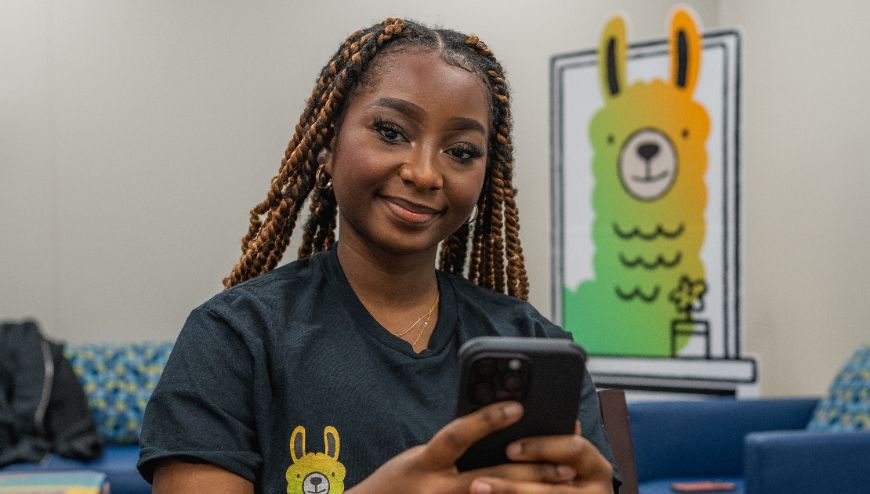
(510, 315)
(286, 293)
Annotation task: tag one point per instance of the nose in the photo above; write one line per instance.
(648, 150)
(316, 481)
(421, 171)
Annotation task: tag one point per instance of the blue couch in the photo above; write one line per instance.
(761, 445)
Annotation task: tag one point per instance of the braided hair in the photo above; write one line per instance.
(496, 257)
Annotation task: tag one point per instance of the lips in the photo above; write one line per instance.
(411, 212)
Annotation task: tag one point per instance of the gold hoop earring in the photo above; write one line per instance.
(473, 216)
(318, 180)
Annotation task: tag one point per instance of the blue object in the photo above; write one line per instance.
(847, 407)
(118, 380)
(118, 463)
(761, 445)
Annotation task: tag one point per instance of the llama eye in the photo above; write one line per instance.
(298, 476)
(333, 474)
(610, 139)
(685, 133)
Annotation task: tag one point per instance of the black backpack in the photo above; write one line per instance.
(43, 408)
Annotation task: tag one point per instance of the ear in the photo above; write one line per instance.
(297, 451)
(685, 50)
(611, 58)
(324, 159)
(331, 432)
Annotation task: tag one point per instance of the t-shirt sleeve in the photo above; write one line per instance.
(202, 408)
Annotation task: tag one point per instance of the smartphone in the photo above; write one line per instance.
(545, 375)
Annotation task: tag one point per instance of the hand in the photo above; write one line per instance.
(430, 468)
(591, 472)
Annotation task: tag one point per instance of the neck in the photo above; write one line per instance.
(388, 281)
(399, 291)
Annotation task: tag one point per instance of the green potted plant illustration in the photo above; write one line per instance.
(688, 298)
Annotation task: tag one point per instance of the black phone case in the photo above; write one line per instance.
(550, 406)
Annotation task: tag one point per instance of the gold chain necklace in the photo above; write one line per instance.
(426, 322)
(427, 315)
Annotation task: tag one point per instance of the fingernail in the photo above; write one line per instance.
(566, 472)
(481, 488)
(513, 410)
(514, 450)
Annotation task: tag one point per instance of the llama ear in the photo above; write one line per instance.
(612, 58)
(684, 45)
(297, 443)
(331, 448)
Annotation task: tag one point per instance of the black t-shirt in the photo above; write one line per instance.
(287, 378)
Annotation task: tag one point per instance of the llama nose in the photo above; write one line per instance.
(316, 481)
(648, 150)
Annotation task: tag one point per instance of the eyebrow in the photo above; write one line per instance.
(415, 112)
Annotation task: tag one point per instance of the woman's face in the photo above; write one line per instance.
(409, 159)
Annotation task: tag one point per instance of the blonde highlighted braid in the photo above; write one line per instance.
(496, 257)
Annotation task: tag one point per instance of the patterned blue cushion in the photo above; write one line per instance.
(118, 381)
(847, 407)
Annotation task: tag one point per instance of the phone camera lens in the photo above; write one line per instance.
(512, 382)
(484, 394)
(485, 368)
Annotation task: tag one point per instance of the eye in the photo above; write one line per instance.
(464, 152)
(685, 133)
(388, 131)
(333, 474)
(610, 139)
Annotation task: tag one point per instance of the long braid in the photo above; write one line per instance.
(502, 189)
(265, 242)
(315, 102)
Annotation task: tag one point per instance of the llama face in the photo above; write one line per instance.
(315, 473)
(647, 164)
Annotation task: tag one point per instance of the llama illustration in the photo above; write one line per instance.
(315, 473)
(649, 199)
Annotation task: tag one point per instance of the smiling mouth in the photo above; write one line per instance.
(654, 178)
(411, 212)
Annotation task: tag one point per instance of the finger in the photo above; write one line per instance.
(530, 472)
(453, 439)
(573, 451)
(578, 429)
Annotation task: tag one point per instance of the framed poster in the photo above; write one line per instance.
(646, 208)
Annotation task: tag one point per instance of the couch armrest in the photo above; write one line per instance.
(807, 462)
(704, 438)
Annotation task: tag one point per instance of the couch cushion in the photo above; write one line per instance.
(118, 381)
(847, 407)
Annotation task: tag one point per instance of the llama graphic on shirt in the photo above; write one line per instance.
(649, 198)
(315, 473)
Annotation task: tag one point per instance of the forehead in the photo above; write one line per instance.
(424, 78)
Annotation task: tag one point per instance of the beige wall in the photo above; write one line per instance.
(805, 183)
(135, 136)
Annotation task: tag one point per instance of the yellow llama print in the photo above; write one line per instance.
(649, 198)
(315, 473)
